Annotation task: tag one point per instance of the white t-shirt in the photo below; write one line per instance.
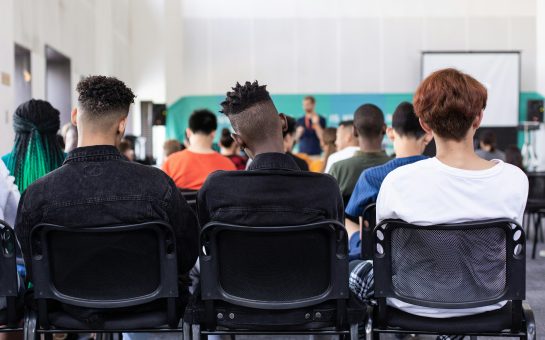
(430, 192)
(341, 155)
(9, 196)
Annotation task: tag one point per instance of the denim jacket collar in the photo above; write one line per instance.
(273, 161)
(95, 153)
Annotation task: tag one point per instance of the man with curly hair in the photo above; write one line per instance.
(97, 187)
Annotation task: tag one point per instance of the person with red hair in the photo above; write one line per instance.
(453, 187)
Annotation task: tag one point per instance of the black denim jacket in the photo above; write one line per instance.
(273, 192)
(96, 186)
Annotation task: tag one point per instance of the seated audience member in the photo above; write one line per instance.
(487, 147)
(369, 129)
(514, 156)
(453, 187)
(274, 191)
(231, 150)
(98, 187)
(409, 140)
(172, 146)
(310, 128)
(190, 167)
(9, 196)
(346, 142)
(289, 142)
(36, 151)
(329, 148)
(126, 149)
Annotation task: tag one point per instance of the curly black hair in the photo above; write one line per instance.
(244, 96)
(102, 95)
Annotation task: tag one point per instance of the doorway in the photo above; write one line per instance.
(58, 82)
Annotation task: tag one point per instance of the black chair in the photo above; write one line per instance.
(535, 206)
(274, 280)
(452, 266)
(11, 316)
(191, 197)
(104, 279)
(369, 222)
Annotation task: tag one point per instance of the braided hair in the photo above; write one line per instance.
(36, 151)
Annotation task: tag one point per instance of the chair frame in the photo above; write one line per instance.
(45, 288)
(211, 289)
(523, 324)
(366, 232)
(8, 280)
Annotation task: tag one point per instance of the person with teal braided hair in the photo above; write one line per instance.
(36, 151)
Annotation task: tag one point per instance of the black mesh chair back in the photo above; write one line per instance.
(104, 267)
(281, 267)
(369, 222)
(191, 197)
(451, 265)
(8, 274)
(536, 182)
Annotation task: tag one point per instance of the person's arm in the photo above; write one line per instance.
(317, 126)
(186, 229)
(9, 195)
(299, 131)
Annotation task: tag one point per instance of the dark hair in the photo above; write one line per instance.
(369, 121)
(488, 137)
(226, 140)
(346, 123)
(311, 99)
(124, 146)
(448, 102)
(36, 150)
(514, 156)
(291, 126)
(251, 112)
(244, 96)
(405, 122)
(101, 96)
(203, 121)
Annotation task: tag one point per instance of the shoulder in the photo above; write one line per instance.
(514, 173)
(416, 169)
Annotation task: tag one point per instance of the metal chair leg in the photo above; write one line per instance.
(30, 326)
(354, 332)
(537, 226)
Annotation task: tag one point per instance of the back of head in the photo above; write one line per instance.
(203, 122)
(252, 114)
(171, 146)
(448, 101)
(36, 150)
(329, 136)
(103, 102)
(405, 122)
(488, 137)
(226, 140)
(291, 126)
(369, 122)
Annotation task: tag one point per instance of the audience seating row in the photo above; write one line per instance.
(270, 280)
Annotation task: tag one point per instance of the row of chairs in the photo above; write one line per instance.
(271, 280)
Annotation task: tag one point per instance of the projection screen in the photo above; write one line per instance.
(498, 71)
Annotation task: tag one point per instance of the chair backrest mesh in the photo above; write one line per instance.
(274, 266)
(449, 266)
(536, 186)
(104, 265)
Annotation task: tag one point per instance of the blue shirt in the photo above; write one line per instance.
(368, 185)
(309, 142)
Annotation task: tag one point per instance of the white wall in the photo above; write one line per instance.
(7, 65)
(540, 28)
(348, 46)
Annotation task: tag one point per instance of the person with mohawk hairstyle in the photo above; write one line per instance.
(274, 191)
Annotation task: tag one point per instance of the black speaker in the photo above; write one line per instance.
(159, 114)
(535, 110)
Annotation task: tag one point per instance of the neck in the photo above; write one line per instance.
(91, 139)
(370, 145)
(459, 154)
(268, 147)
(408, 148)
(200, 144)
